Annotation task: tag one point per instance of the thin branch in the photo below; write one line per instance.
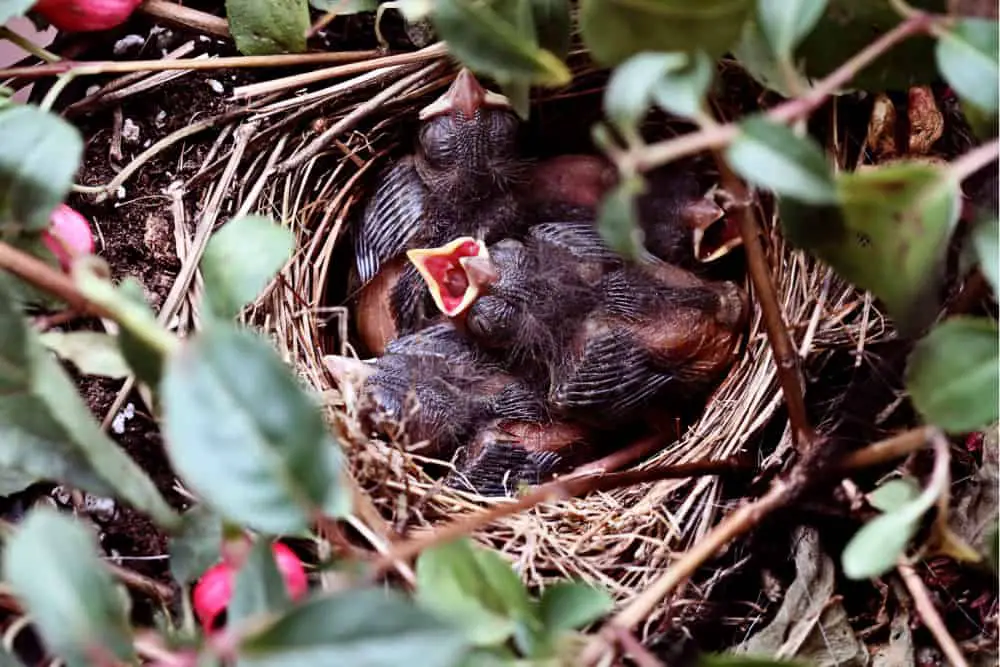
(734, 525)
(26, 44)
(51, 280)
(975, 160)
(562, 488)
(84, 68)
(656, 154)
(889, 449)
(786, 358)
(180, 16)
(633, 648)
(929, 614)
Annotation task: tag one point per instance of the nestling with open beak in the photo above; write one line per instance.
(610, 339)
(460, 181)
(680, 223)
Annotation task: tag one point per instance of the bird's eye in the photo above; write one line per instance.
(436, 141)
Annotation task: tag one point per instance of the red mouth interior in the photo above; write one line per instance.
(449, 275)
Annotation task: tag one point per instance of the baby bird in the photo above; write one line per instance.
(607, 339)
(680, 224)
(460, 181)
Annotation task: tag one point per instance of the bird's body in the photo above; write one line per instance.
(607, 339)
(461, 181)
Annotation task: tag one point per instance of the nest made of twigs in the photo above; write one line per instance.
(618, 539)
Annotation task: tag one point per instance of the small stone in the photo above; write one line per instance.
(120, 192)
(160, 118)
(118, 423)
(130, 131)
(216, 86)
(128, 43)
(62, 495)
(102, 509)
(92, 89)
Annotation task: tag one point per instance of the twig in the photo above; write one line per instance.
(41, 275)
(140, 583)
(566, 487)
(786, 358)
(734, 525)
(929, 614)
(975, 160)
(887, 450)
(648, 157)
(26, 44)
(180, 16)
(298, 80)
(314, 147)
(634, 648)
(84, 68)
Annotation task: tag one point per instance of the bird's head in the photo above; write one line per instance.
(468, 129)
(456, 273)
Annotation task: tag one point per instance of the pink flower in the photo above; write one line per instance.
(68, 235)
(86, 15)
(212, 592)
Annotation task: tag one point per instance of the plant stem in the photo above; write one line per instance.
(886, 450)
(82, 68)
(786, 357)
(28, 45)
(653, 155)
(929, 614)
(57, 87)
(41, 275)
(974, 160)
(185, 17)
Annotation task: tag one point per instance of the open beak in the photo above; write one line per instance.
(465, 95)
(456, 273)
(713, 233)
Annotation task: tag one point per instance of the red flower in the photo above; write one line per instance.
(86, 15)
(68, 235)
(212, 592)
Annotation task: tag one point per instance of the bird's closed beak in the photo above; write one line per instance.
(466, 96)
(456, 273)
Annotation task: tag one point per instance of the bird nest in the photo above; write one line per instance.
(619, 539)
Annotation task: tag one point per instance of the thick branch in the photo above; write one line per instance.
(41, 275)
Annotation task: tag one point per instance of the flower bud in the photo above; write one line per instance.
(213, 591)
(86, 15)
(68, 235)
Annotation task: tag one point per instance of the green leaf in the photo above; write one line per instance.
(894, 494)
(373, 628)
(771, 156)
(39, 154)
(266, 27)
(15, 481)
(52, 564)
(756, 56)
(475, 588)
(143, 341)
(848, 26)
(240, 260)
(967, 58)
(786, 22)
(570, 605)
(618, 218)
(195, 547)
(986, 241)
(629, 92)
(991, 542)
(953, 374)
(12, 8)
(345, 7)
(614, 30)
(875, 548)
(259, 587)
(498, 39)
(91, 352)
(682, 90)
(553, 25)
(47, 431)
(889, 235)
(518, 93)
(136, 340)
(244, 435)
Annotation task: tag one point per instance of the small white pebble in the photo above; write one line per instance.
(118, 423)
(103, 509)
(160, 117)
(92, 89)
(61, 494)
(156, 30)
(216, 86)
(130, 131)
(128, 43)
(120, 192)
(147, 143)
(204, 38)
